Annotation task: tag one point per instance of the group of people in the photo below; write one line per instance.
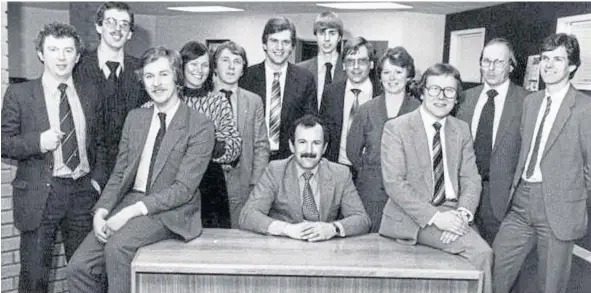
(118, 152)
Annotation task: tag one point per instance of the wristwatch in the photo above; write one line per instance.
(336, 228)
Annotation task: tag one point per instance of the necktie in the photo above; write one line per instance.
(309, 209)
(70, 154)
(228, 94)
(157, 143)
(328, 74)
(484, 135)
(354, 106)
(438, 174)
(275, 109)
(534, 155)
(113, 70)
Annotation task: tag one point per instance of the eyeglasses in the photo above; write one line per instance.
(449, 92)
(496, 63)
(111, 23)
(362, 62)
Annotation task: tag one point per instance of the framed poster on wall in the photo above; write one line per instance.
(531, 79)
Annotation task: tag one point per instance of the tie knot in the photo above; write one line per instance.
(328, 66)
(356, 92)
(492, 93)
(62, 87)
(227, 93)
(162, 117)
(437, 126)
(276, 75)
(112, 66)
(307, 175)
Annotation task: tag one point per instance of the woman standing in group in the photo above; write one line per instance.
(396, 70)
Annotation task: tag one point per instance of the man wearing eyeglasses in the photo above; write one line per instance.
(112, 71)
(430, 175)
(552, 182)
(493, 110)
(341, 100)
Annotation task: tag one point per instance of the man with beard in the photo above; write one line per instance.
(111, 70)
(305, 196)
(327, 66)
(288, 91)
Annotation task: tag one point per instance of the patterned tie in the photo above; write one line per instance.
(484, 135)
(70, 152)
(309, 209)
(157, 143)
(328, 74)
(275, 109)
(113, 70)
(228, 94)
(354, 107)
(534, 155)
(438, 174)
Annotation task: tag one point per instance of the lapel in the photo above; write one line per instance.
(83, 92)
(530, 123)
(137, 140)
(406, 107)
(326, 187)
(467, 112)
(259, 79)
(291, 86)
(292, 190)
(339, 72)
(242, 110)
(173, 133)
(507, 117)
(382, 111)
(419, 139)
(339, 104)
(314, 68)
(562, 116)
(452, 154)
(39, 101)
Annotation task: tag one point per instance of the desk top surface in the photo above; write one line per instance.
(225, 251)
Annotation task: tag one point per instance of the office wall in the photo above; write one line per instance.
(420, 34)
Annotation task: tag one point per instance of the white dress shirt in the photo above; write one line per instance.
(557, 99)
(365, 95)
(499, 106)
(274, 145)
(102, 62)
(322, 60)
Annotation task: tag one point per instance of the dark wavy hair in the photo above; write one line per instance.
(328, 20)
(193, 50)
(279, 24)
(308, 121)
(234, 48)
(398, 56)
(58, 30)
(570, 43)
(156, 53)
(100, 13)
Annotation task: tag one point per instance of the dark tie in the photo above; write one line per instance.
(157, 143)
(534, 155)
(354, 106)
(228, 94)
(328, 74)
(484, 135)
(70, 153)
(309, 209)
(438, 174)
(275, 108)
(113, 70)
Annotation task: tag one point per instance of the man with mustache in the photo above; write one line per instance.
(111, 70)
(327, 66)
(288, 91)
(305, 196)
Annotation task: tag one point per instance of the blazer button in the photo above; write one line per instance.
(47, 184)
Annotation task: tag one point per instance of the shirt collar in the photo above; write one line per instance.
(365, 87)
(169, 113)
(558, 96)
(102, 59)
(300, 171)
(501, 89)
(429, 119)
(51, 83)
(283, 69)
(333, 59)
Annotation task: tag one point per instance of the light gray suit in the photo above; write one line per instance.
(312, 66)
(173, 202)
(277, 196)
(408, 180)
(552, 213)
(255, 151)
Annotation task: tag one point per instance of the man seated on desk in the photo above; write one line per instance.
(305, 196)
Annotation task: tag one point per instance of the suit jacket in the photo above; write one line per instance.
(24, 118)
(408, 173)
(255, 146)
(565, 161)
(118, 101)
(299, 97)
(312, 66)
(181, 161)
(277, 197)
(505, 151)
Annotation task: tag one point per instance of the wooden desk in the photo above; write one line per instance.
(238, 261)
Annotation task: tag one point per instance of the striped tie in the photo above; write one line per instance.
(438, 174)
(534, 156)
(275, 109)
(70, 155)
(354, 107)
(309, 209)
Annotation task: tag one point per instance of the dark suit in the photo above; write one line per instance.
(299, 98)
(255, 151)
(173, 202)
(41, 201)
(277, 196)
(119, 100)
(552, 213)
(408, 179)
(503, 160)
(312, 66)
(364, 143)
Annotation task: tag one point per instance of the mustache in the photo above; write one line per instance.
(309, 155)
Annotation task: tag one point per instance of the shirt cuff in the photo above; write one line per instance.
(276, 227)
(433, 219)
(142, 207)
(341, 229)
(467, 213)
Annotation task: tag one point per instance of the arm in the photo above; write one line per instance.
(99, 172)
(356, 139)
(586, 147)
(469, 180)
(226, 131)
(261, 143)
(396, 183)
(254, 215)
(355, 219)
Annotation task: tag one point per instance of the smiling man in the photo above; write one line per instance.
(288, 91)
(551, 183)
(152, 194)
(305, 196)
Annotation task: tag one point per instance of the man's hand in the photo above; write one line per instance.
(319, 231)
(448, 237)
(50, 139)
(117, 221)
(451, 221)
(99, 224)
(295, 231)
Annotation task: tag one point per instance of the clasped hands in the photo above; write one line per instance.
(310, 231)
(453, 224)
(104, 228)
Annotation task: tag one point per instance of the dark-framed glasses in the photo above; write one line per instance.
(497, 63)
(112, 23)
(362, 62)
(449, 92)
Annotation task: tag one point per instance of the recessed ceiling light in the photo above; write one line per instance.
(365, 5)
(205, 9)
